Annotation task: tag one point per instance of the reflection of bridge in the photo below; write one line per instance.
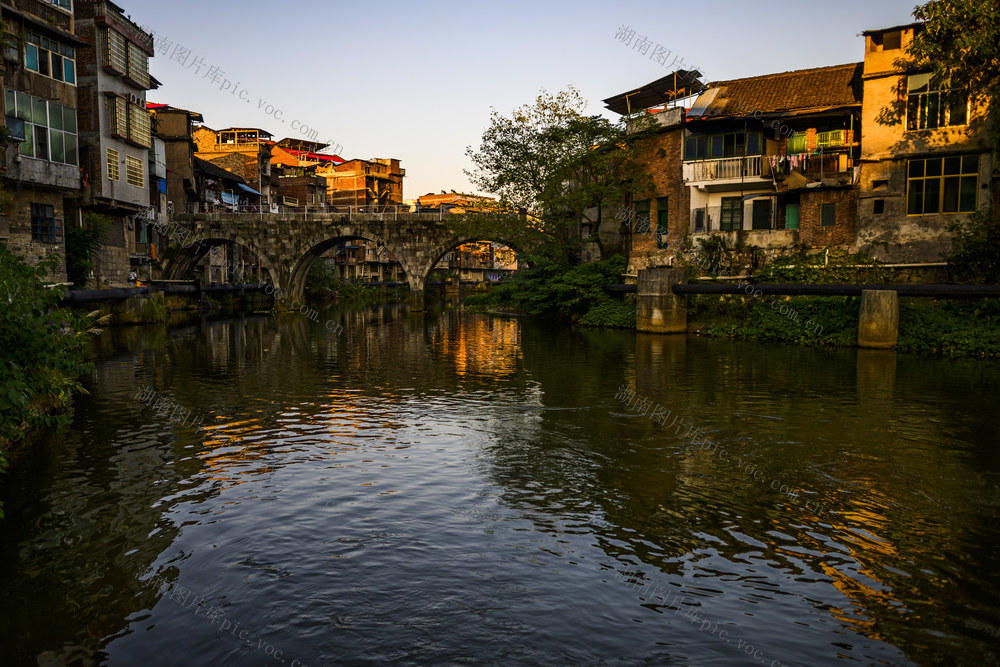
(287, 244)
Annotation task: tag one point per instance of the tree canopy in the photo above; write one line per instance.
(555, 162)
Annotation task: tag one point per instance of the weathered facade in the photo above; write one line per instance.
(926, 155)
(40, 166)
(376, 182)
(245, 152)
(175, 127)
(115, 132)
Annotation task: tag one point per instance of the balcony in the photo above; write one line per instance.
(799, 143)
(734, 169)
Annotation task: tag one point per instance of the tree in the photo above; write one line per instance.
(555, 162)
(81, 244)
(960, 44)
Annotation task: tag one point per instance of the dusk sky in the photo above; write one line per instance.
(416, 81)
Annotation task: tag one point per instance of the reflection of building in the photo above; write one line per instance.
(479, 261)
(115, 131)
(925, 159)
(376, 182)
(365, 261)
(40, 106)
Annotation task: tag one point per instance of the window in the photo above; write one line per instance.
(49, 57)
(65, 4)
(717, 146)
(134, 172)
(44, 226)
(114, 165)
(732, 214)
(892, 40)
(138, 65)
(878, 207)
(927, 108)
(117, 116)
(761, 214)
(114, 51)
(942, 185)
(47, 130)
(828, 215)
(293, 201)
(138, 125)
(641, 223)
(880, 184)
(662, 218)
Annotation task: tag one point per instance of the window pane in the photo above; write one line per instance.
(932, 195)
(691, 148)
(729, 146)
(41, 143)
(970, 164)
(23, 106)
(958, 109)
(58, 147)
(717, 147)
(57, 67)
(69, 119)
(950, 202)
(918, 83)
(933, 167)
(39, 111)
(11, 106)
(753, 143)
(933, 110)
(55, 116)
(952, 165)
(28, 145)
(69, 70)
(703, 147)
(916, 169)
(31, 57)
(829, 215)
(915, 199)
(967, 203)
(43, 62)
(913, 112)
(71, 150)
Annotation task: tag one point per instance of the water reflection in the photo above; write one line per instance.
(450, 487)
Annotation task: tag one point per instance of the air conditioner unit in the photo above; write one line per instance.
(134, 99)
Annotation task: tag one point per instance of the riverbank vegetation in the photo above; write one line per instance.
(43, 350)
(554, 287)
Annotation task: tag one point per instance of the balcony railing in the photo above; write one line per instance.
(799, 143)
(733, 168)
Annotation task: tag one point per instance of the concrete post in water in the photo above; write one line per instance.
(657, 308)
(878, 326)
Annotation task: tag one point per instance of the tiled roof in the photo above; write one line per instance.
(821, 87)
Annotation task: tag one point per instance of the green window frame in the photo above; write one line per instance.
(828, 215)
(731, 217)
(942, 185)
(720, 146)
(44, 226)
(662, 220)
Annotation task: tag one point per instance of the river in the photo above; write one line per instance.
(448, 488)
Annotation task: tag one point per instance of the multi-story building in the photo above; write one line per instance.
(243, 151)
(115, 130)
(376, 182)
(175, 127)
(453, 202)
(40, 166)
(295, 163)
(926, 157)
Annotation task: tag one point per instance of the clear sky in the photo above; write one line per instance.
(416, 80)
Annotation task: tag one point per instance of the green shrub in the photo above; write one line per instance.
(611, 315)
(81, 244)
(975, 250)
(43, 349)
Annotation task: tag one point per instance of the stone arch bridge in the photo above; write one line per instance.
(287, 244)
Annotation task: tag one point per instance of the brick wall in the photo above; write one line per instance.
(661, 156)
(19, 238)
(812, 233)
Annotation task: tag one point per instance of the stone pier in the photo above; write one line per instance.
(878, 325)
(657, 308)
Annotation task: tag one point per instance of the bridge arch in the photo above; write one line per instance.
(181, 262)
(300, 269)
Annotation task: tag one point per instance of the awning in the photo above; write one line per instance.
(247, 188)
(676, 86)
(228, 198)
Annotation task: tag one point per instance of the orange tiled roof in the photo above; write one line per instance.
(799, 90)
